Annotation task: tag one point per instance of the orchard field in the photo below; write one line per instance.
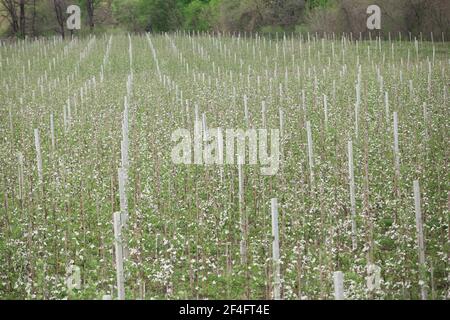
(86, 131)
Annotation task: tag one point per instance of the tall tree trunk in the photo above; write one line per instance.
(10, 6)
(90, 11)
(33, 19)
(22, 17)
(59, 16)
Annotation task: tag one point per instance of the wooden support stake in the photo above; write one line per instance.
(420, 240)
(338, 278)
(38, 154)
(119, 257)
(351, 176)
(276, 250)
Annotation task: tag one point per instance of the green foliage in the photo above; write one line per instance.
(271, 30)
(311, 4)
(266, 16)
(195, 16)
(126, 11)
(159, 15)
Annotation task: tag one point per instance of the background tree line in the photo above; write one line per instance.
(32, 18)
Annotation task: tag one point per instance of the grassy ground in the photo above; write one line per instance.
(184, 231)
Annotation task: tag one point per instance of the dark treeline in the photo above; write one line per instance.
(20, 18)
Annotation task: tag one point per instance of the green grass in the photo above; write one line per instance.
(182, 217)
